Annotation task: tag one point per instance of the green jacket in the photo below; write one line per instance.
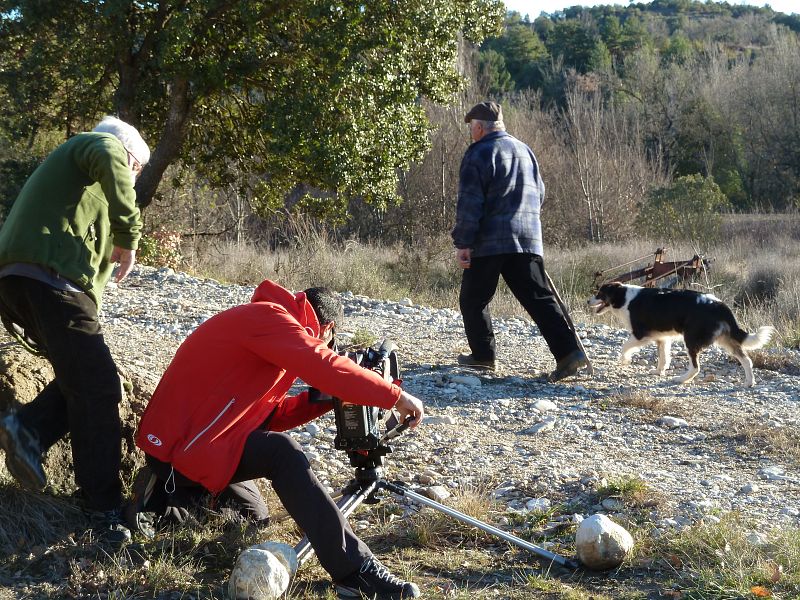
(75, 207)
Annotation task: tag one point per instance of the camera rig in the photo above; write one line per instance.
(358, 434)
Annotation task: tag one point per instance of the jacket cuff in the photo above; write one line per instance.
(129, 242)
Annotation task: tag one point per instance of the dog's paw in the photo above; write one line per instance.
(624, 361)
(659, 372)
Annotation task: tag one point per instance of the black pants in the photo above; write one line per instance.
(524, 275)
(277, 457)
(176, 502)
(83, 399)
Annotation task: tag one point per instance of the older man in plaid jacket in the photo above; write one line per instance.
(498, 231)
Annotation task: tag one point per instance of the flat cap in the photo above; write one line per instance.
(485, 111)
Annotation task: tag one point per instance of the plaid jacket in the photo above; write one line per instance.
(500, 192)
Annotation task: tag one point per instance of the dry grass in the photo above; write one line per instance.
(755, 440)
(432, 529)
(642, 399)
(754, 269)
(455, 560)
(719, 561)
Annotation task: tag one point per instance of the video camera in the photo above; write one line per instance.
(358, 427)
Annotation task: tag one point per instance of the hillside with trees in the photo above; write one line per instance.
(352, 114)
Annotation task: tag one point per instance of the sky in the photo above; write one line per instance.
(534, 7)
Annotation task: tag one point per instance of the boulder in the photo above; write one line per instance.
(262, 572)
(602, 544)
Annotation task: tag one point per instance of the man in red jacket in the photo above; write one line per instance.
(216, 416)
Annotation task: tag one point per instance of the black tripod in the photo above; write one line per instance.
(369, 480)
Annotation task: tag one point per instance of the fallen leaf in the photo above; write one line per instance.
(760, 591)
(775, 572)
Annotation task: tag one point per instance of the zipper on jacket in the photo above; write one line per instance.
(90, 233)
(210, 425)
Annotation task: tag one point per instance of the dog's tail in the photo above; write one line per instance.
(754, 341)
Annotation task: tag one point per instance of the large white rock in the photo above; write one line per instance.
(262, 572)
(601, 544)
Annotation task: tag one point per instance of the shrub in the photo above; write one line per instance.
(160, 249)
(687, 209)
(762, 286)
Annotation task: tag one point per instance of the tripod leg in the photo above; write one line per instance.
(347, 504)
(541, 552)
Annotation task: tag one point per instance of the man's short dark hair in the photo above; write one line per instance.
(326, 304)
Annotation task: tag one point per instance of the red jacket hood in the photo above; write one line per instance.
(297, 304)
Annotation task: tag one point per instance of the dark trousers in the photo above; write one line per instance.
(525, 277)
(83, 399)
(277, 457)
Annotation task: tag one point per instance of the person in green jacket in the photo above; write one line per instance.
(74, 220)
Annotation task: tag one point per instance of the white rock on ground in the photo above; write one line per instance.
(602, 544)
(261, 574)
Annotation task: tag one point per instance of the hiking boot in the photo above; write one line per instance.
(467, 360)
(137, 517)
(569, 365)
(374, 581)
(23, 453)
(109, 527)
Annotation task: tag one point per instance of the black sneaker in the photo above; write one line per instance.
(467, 360)
(23, 453)
(136, 514)
(374, 581)
(109, 527)
(569, 366)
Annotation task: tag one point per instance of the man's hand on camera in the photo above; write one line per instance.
(407, 405)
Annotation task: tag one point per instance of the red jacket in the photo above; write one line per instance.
(233, 371)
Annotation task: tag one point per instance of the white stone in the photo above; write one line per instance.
(541, 427)
(437, 492)
(468, 380)
(601, 543)
(262, 572)
(439, 420)
(612, 504)
(749, 488)
(672, 422)
(757, 539)
(545, 405)
(538, 504)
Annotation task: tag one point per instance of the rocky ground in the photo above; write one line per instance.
(694, 452)
(701, 449)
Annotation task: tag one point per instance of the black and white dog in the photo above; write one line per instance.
(661, 315)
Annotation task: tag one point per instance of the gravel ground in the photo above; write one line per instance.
(532, 443)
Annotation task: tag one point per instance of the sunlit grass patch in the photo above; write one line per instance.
(723, 560)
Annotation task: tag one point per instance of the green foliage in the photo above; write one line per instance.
(13, 174)
(160, 249)
(687, 209)
(324, 95)
(493, 76)
(573, 42)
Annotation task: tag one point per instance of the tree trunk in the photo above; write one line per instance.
(170, 143)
